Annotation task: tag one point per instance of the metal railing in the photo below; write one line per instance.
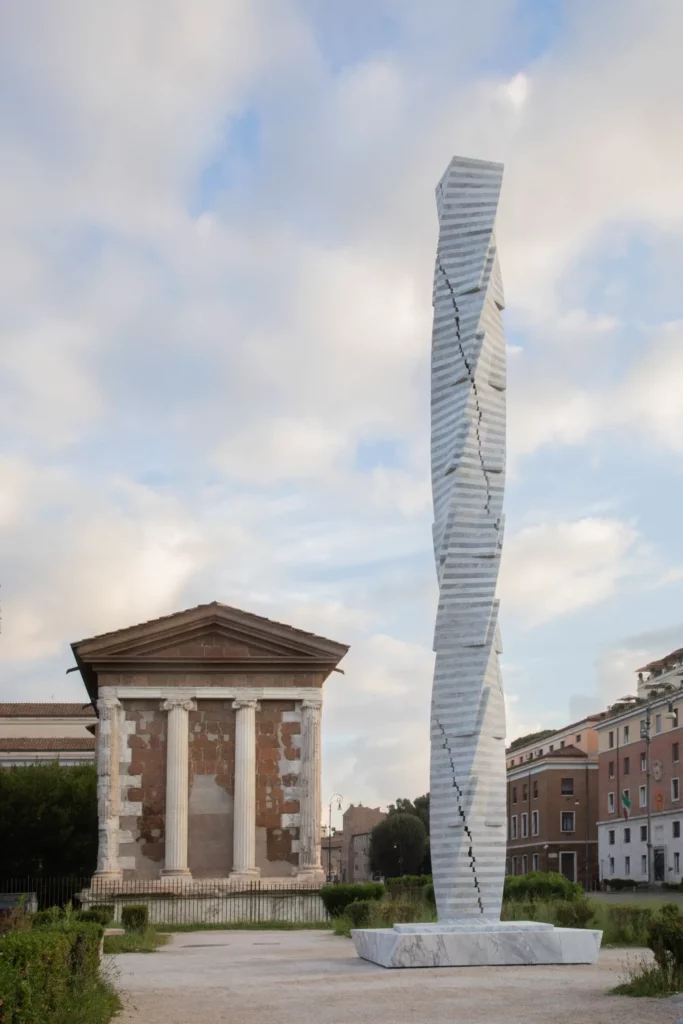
(173, 901)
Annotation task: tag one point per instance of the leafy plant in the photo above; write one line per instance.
(135, 917)
(398, 845)
(573, 913)
(337, 898)
(541, 885)
(358, 912)
(627, 924)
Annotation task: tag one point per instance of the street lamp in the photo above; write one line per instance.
(646, 734)
(338, 797)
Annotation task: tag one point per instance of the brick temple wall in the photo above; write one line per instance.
(211, 786)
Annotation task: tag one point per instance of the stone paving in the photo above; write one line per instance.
(261, 977)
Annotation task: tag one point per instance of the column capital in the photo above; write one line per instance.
(312, 702)
(245, 703)
(179, 702)
(108, 703)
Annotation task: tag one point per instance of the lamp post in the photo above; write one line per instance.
(646, 734)
(338, 797)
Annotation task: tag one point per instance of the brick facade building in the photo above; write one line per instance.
(552, 802)
(648, 777)
(359, 822)
(209, 746)
(39, 733)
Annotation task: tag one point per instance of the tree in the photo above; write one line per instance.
(397, 845)
(419, 807)
(48, 820)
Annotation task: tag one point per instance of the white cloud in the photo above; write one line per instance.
(556, 569)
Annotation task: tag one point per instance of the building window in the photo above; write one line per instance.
(642, 796)
(643, 864)
(610, 837)
(626, 799)
(677, 863)
(529, 755)
(643, 833)
(513, 866)
(513, 828)
(643, 763)
(534, 862)
(627, 733)
(611, 769)
(627, 835)
(610, 739)
(611, 865)
(610, 803)
(514, 794)
(551, 747)
(534, 823)
(578, 737)
(525, 865)
(525, 792)
(658, 723)
(675, 789)
(674, 753)
(567, 787)
(534, 792)
(627, 866)
(525, 825)
(674, 722)
(676, 829)
(627, 766)
(567, 824)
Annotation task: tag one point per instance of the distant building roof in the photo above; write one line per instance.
(669, 661)
(46, 710)
(56, 743)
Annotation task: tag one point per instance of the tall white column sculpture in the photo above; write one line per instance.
(310, 864)
(244, 819)
(177, 784)
(467, 812)
(468, 820)
(108, 806)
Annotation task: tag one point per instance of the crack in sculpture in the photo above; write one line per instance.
(461, 812)
(473, 382)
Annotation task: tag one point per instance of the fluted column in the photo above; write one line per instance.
(244, 822)
(177, 771)
(310, 864)
(109, 710)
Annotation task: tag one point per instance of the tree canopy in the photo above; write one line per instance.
(48, 820)
(398, 845)
(419, 807)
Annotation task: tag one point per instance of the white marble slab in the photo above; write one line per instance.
(466, 944)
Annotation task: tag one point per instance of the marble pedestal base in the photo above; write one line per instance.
(473, 943)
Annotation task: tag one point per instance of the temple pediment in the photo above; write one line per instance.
(211, 637)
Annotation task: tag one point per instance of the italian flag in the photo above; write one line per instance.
(626, 804)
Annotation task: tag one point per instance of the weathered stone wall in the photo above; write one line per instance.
(192, 679)
(143, 790)
(211, 788)
(212, 785)
(278, 729)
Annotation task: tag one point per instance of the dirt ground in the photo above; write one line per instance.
(243, 977)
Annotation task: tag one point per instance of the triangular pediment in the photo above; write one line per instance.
(212, 632)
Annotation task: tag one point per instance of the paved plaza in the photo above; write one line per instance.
(262, 977)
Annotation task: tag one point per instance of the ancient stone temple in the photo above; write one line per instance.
(208, 746)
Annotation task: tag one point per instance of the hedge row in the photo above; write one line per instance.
(338, 897)
(42, 970)
(540, 885)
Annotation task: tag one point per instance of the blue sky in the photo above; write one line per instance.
(217, 233)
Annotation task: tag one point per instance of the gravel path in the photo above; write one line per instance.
(304, 977)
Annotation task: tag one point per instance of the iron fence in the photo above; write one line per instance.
(174, 901)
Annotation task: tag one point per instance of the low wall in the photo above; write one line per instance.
(191, 905)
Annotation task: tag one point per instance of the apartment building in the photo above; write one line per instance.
(552, 802)
(34, 733)
(628, 845)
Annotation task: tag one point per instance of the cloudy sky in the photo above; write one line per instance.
(217, 228)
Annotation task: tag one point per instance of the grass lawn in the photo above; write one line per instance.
(146, 941)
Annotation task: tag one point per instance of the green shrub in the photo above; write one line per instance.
(407, 881)
(541, 885)
(429, 896)
(359, 912)
(100, 915)
(665, 939)
(627, 925)
(573, 913)
(336, 898)
(135, 917)
(34, 976)
(619, 884)
(46, 918)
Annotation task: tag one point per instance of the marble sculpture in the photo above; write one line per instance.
(468, 813)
